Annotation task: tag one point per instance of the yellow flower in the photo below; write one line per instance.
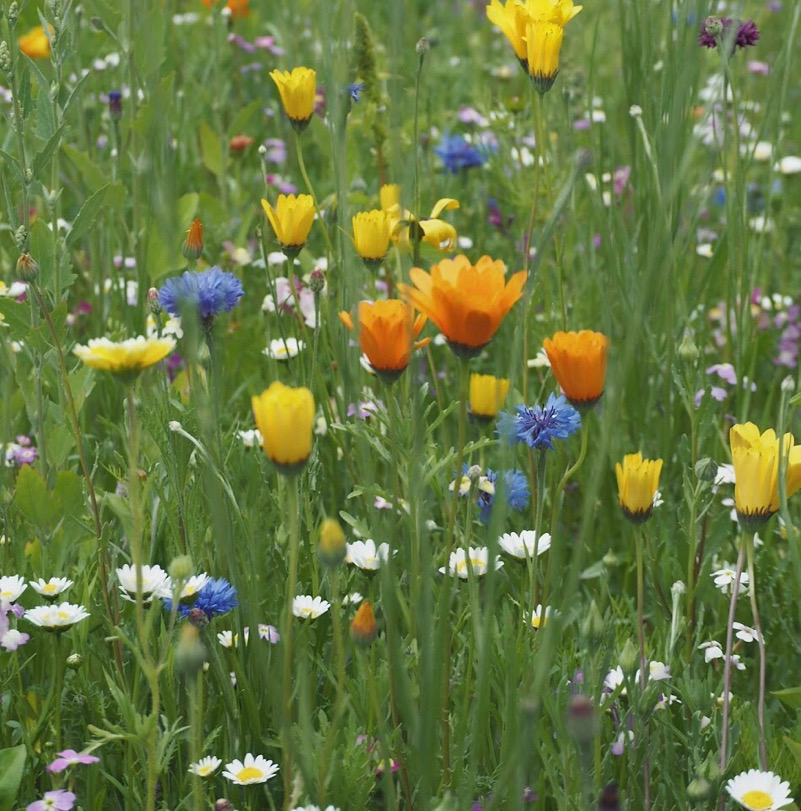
(371, 234)
(285, 419)
(124, 358)
(332, 547)
(437, 233)
(637, 483)
(389, 195)
(467, 302)
(298, 91)
(755, 458)
(578, 362)
(291, 219)
(36, 43)
(487, 394)
(387, 330)
(535, 30)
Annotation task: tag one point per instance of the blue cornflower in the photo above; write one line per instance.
(538, 426)
(457, 154)
(211, 291)
(217, 597)
(514, 486)
(354, 89)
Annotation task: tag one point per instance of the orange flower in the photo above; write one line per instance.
(363, 629)
(239, 143)
(238, 8)
(36, 43)
(578, 362)
(387, 330)
(466, 302)
(193, 244)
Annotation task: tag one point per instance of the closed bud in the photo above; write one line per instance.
(6, 65)
(363, 629)
(629, 657)
(706, 469)
(699, 790)
(115, 105)
(27, 267)
(713, 26)
(687, 348)
(593, 625)
(317, 281)
(153, 301)
(610, 799)
(193, 244)
(423, 46)
(223, 805)
(610, 560)
(788, 385)
(331, 548)
(21, 238)
(190, 653)
(181, 568)
(582, 721)
(74, 661)
(12, 14)
(710, 769)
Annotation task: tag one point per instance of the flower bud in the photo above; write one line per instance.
(331, 548)
(699, 790)
(363, 629)
(153, 301)
(687, 348)
(582, 722)
(713, 26)
(317, 281)
(706, 469)
(6, 65)
(190, 653)
(21, 238)
(181, 568)
(115, 105)
(193, 244)
(27, 267)
(223, 805)
(629, 657)
(12, 14)
(423, 46)
(74, 661)
(788, 385)
(593, 625)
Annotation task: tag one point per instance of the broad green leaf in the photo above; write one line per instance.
(91, 174)
(12, 765)
(109, 196)
(791, 697)
(244, 116)
(69, 494)
(43, 158)
(794, 747)
(45, 115)
(211, 150)
(32, 498)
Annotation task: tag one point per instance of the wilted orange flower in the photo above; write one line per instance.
(238, 8)
(467, 302)
(363, 629)
(387, 330)
(578, 362)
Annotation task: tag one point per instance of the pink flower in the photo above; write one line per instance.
(69, 757)
(61, 800)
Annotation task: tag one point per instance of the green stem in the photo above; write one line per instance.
(59, 668)
(196, 735)
(763, 755)
(310, 189)
(294, 543)
(643, 661)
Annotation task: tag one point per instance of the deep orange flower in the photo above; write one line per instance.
(36, 43)
(363, 629)
(240, 142)
(238, 8)
(387, 330)
(467, 302)
(193, 244)
(578, 362)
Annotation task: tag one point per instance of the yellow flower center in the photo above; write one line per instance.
(205, 770)
(307, 611)
(538, 622)
(63, 615)
(757, 800)
(5, 595)
(50, 588)
(249, 773)
(476, 563)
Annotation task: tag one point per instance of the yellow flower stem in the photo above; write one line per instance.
(638, 532)
(735, 589)
(763, 755)
(286, 725)
(310, 189)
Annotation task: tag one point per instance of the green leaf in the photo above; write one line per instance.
(43, 158)
(149, 53)
(591, 572)
(791, 697)
(109, 196)
(45, 115)
(91, 174)
(69, 494)
(32, 498)
(794, 747)
(12, 764)
(211, 150)
(244, 116)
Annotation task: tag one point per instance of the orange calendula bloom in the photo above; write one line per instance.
(285, 419)
(637, 483)
(363, 629)
(578, 362)
(36, 43)
(193, 244)
(467, 302)
(387, 331)
(755, 458)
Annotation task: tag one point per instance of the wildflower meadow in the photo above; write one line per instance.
(398, 403)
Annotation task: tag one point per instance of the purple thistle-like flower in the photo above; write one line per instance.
(211, 291)
(747, 34)
(538, 426)
(714, 29)
(69, 757)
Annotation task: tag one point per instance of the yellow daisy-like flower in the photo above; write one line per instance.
(432, 230)
(124, 358)
(36, 43)
(285, 419)
(371, 235)
(755, 458)
(291, 219)
(487, 394)
(637, 483)
(298, 90)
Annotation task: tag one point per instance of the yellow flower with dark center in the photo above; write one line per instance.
(487, 394)
(637, 483)
(432, 230)
(371, 235)
(578, 362)
(298, 91)
(535, 29)
(755, 458)
(36, 43)
(467, 302)
(291, 219)
(387, 330)
(285, 419)
(124, 358)
(363, 629)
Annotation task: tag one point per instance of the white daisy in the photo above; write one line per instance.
(354, 598)
(50, 589)
(154, 581)
(309, 608)
(190, 589)
(366, 555)
(56, 617)
(250, 439)
(228, 639)
(759, 791)
(745, 633)
(540, 616)
(791, 165)
(523, 545)
(284, 350)
(205, 766)
(11, 587)
(254, 770)
(477, 561)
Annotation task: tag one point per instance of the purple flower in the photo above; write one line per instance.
(747, 34)
(60, 799)
(211, 292)
(714, 29)
(538, 426)
(269, 44)
(276, 151)
(235, 39)
(725, 371)
(354, 89)
(69, 757)
(365, 409)
(456, 153)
